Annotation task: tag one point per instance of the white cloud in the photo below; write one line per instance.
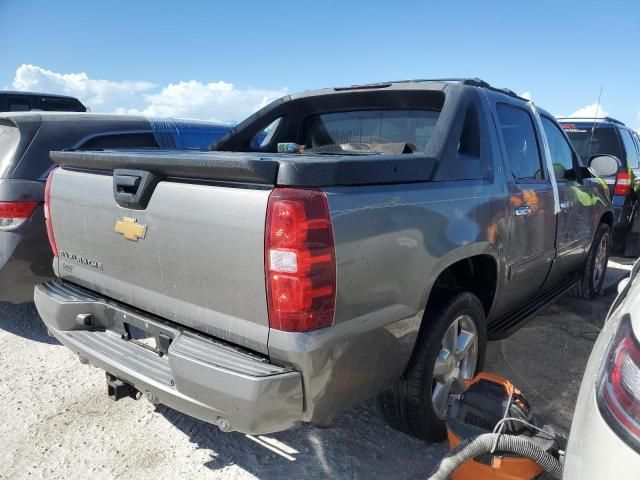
(96, 93)
(219, 100)
(590, 111)
(215, 100)
(526, 95)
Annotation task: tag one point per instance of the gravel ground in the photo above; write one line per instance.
(57, 421)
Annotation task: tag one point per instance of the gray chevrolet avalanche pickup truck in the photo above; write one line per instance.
(258, 290)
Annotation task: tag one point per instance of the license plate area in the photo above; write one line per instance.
(142, 337)
(146, 333)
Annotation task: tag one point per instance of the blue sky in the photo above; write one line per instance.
(221, 60)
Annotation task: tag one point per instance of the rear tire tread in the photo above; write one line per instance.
(585, 288)
(405, 405)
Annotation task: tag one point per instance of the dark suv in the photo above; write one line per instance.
(25, 101)
(608, 136)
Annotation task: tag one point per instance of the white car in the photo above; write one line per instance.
(604, 442)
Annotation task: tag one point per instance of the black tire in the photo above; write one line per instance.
(407, 405)
(589, 285)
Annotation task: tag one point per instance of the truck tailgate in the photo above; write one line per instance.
(195, 254)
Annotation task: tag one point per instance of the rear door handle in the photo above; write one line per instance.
(523, 211)
(566, 204)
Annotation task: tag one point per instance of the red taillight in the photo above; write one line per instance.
(17, 209)
(619, 385)
(47, 213)
(14, 214)
(623, 184)
(300, 264)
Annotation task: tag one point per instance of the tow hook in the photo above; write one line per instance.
(117, 389)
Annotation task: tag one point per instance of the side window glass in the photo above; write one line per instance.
(637, 139)
(520, 141)
(561, 153)
(121, 140)
(18, 104)
(630, 148)
(264, 137)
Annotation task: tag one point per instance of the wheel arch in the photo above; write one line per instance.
(607, 217)
(476, 270)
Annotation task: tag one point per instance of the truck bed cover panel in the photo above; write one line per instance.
(259, 168)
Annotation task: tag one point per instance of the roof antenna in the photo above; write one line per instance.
(593, 129)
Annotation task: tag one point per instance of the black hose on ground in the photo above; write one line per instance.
(476, 446)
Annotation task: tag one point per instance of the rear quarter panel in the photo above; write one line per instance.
(392, 242)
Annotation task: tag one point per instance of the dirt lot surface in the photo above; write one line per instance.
(57, 422)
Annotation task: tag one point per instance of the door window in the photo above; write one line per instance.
(520, 142)
(561, 153)
(18, 104)
(630, 148)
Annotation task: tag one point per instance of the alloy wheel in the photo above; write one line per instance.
(456, 362)
(600, 264)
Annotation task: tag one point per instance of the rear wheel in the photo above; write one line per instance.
(450, 349)
(595, 267)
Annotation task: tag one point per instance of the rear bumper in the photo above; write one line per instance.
(25, 259)
(203, 378)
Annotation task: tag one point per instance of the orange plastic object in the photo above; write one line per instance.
(501, 468)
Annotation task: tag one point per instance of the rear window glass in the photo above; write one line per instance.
(9, 139)
(61, 104)
(370, 130)
(603, 142)
(122, 140)
(18, 105)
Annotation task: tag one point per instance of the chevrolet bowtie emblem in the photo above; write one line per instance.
(130, 229)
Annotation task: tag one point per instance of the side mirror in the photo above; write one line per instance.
(604, 165)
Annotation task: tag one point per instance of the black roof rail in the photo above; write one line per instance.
(592, 119)
(613, 120)
(474, 82)
(467, 81)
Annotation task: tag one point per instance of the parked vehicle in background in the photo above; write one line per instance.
(258, 290)
(25, 142)
(11, 101)
(607, 136)
(604, 441)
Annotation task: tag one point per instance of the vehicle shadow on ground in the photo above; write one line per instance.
(23, 320)
(374, 449)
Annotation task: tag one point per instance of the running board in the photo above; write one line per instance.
(516, 319)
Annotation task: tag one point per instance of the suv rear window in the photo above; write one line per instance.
(61, 104)
(604, 142)
(368, 131)
(122, 140)
(9, 139)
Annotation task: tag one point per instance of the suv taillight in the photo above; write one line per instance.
(47, 213)
(14, 214)
(300, 264)
(618, 392)
(623, 184)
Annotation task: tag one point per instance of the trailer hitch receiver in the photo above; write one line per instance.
(117, 389)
